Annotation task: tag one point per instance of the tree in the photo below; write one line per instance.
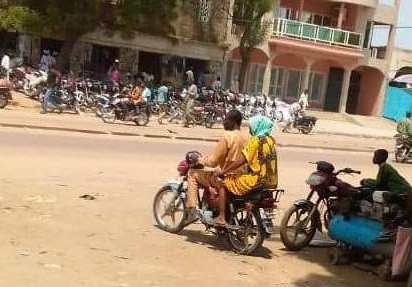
(248, 15)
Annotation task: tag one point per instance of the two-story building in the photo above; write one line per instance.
(323, 46)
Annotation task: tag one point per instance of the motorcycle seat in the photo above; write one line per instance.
(258, 194)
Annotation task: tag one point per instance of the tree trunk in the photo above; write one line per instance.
(63, 60)
(244, 56)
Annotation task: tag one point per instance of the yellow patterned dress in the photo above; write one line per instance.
(261, 158)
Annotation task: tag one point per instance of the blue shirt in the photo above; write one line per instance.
(162, 94)
(147, 94)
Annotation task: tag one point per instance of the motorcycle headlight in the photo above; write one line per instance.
(315, 179)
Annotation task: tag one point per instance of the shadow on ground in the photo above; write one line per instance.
(219, 243)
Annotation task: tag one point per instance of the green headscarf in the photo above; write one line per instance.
(260, 126)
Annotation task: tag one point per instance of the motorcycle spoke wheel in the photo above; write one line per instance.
(108, 115)
(296, 230)
(401, 155)
(250, 235)
(169, 211)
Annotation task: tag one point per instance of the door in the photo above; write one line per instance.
(334, 89)
(353, 93)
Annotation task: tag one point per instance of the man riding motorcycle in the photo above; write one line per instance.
(228, 150)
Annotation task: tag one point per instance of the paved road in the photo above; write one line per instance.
(51, 237)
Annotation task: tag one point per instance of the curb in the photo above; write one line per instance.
(179, 137)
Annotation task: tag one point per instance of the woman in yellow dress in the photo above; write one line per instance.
(260, 158)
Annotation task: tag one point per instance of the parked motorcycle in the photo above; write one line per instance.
(403, 149)
(29, 81)
(249, 217)
(123, 109)
(61, 99)
(304, 124)
(303, 218)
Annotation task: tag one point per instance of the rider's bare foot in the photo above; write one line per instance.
(220, 221)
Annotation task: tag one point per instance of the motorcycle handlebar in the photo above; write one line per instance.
(348, 171)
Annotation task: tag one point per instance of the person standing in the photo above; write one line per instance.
(45, 61)
(161, 101)
(304, 100)
(5, 63)
(217, 85)
(189, 102)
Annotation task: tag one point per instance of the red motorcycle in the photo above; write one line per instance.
(328, 196)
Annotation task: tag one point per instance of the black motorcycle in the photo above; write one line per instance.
(402, 148)
(124, 110)
(304, 124)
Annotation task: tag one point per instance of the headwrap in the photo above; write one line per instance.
(260, 125)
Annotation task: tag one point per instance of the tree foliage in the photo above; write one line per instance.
(248, 15)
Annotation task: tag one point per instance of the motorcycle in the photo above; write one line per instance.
(303, 218)
(61, 99)
(29, 81)
(249, 217)
(402, 148)
(304, 124)
(121, 108)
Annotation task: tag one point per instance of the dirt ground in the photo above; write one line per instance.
(51, 237)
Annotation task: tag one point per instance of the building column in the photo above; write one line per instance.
(342, 15)
(267, 76)
(305, 84)
(345, 90)
(301, 6)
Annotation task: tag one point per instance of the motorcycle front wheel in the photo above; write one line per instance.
(250, 234)
(209, 122)
(401, 154)
(108, 115)
(307, 130)
(3, 101)
(142, 119)
(296, 229)
(169, 210)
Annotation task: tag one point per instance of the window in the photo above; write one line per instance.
(285, 13)
(203, 11)
(293, 84)
(316, 83)
(277, 82)
(256, 74)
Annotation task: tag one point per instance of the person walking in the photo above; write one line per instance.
(161, 101)
(189, 102)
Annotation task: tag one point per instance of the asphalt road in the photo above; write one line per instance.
(51, 237)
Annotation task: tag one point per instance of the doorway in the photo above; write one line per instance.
(334, 89)
(353, 93)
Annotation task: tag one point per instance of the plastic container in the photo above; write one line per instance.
(356, 231)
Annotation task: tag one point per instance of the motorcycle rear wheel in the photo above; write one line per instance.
(142, 119)
(291, 242)
(173, 206)
(251, 233)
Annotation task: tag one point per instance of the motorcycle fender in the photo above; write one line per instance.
(173, 185)
(316, 215)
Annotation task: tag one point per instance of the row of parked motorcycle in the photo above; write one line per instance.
(111, 103)
(354, 218)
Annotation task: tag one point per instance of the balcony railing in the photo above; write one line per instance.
(316, 33)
